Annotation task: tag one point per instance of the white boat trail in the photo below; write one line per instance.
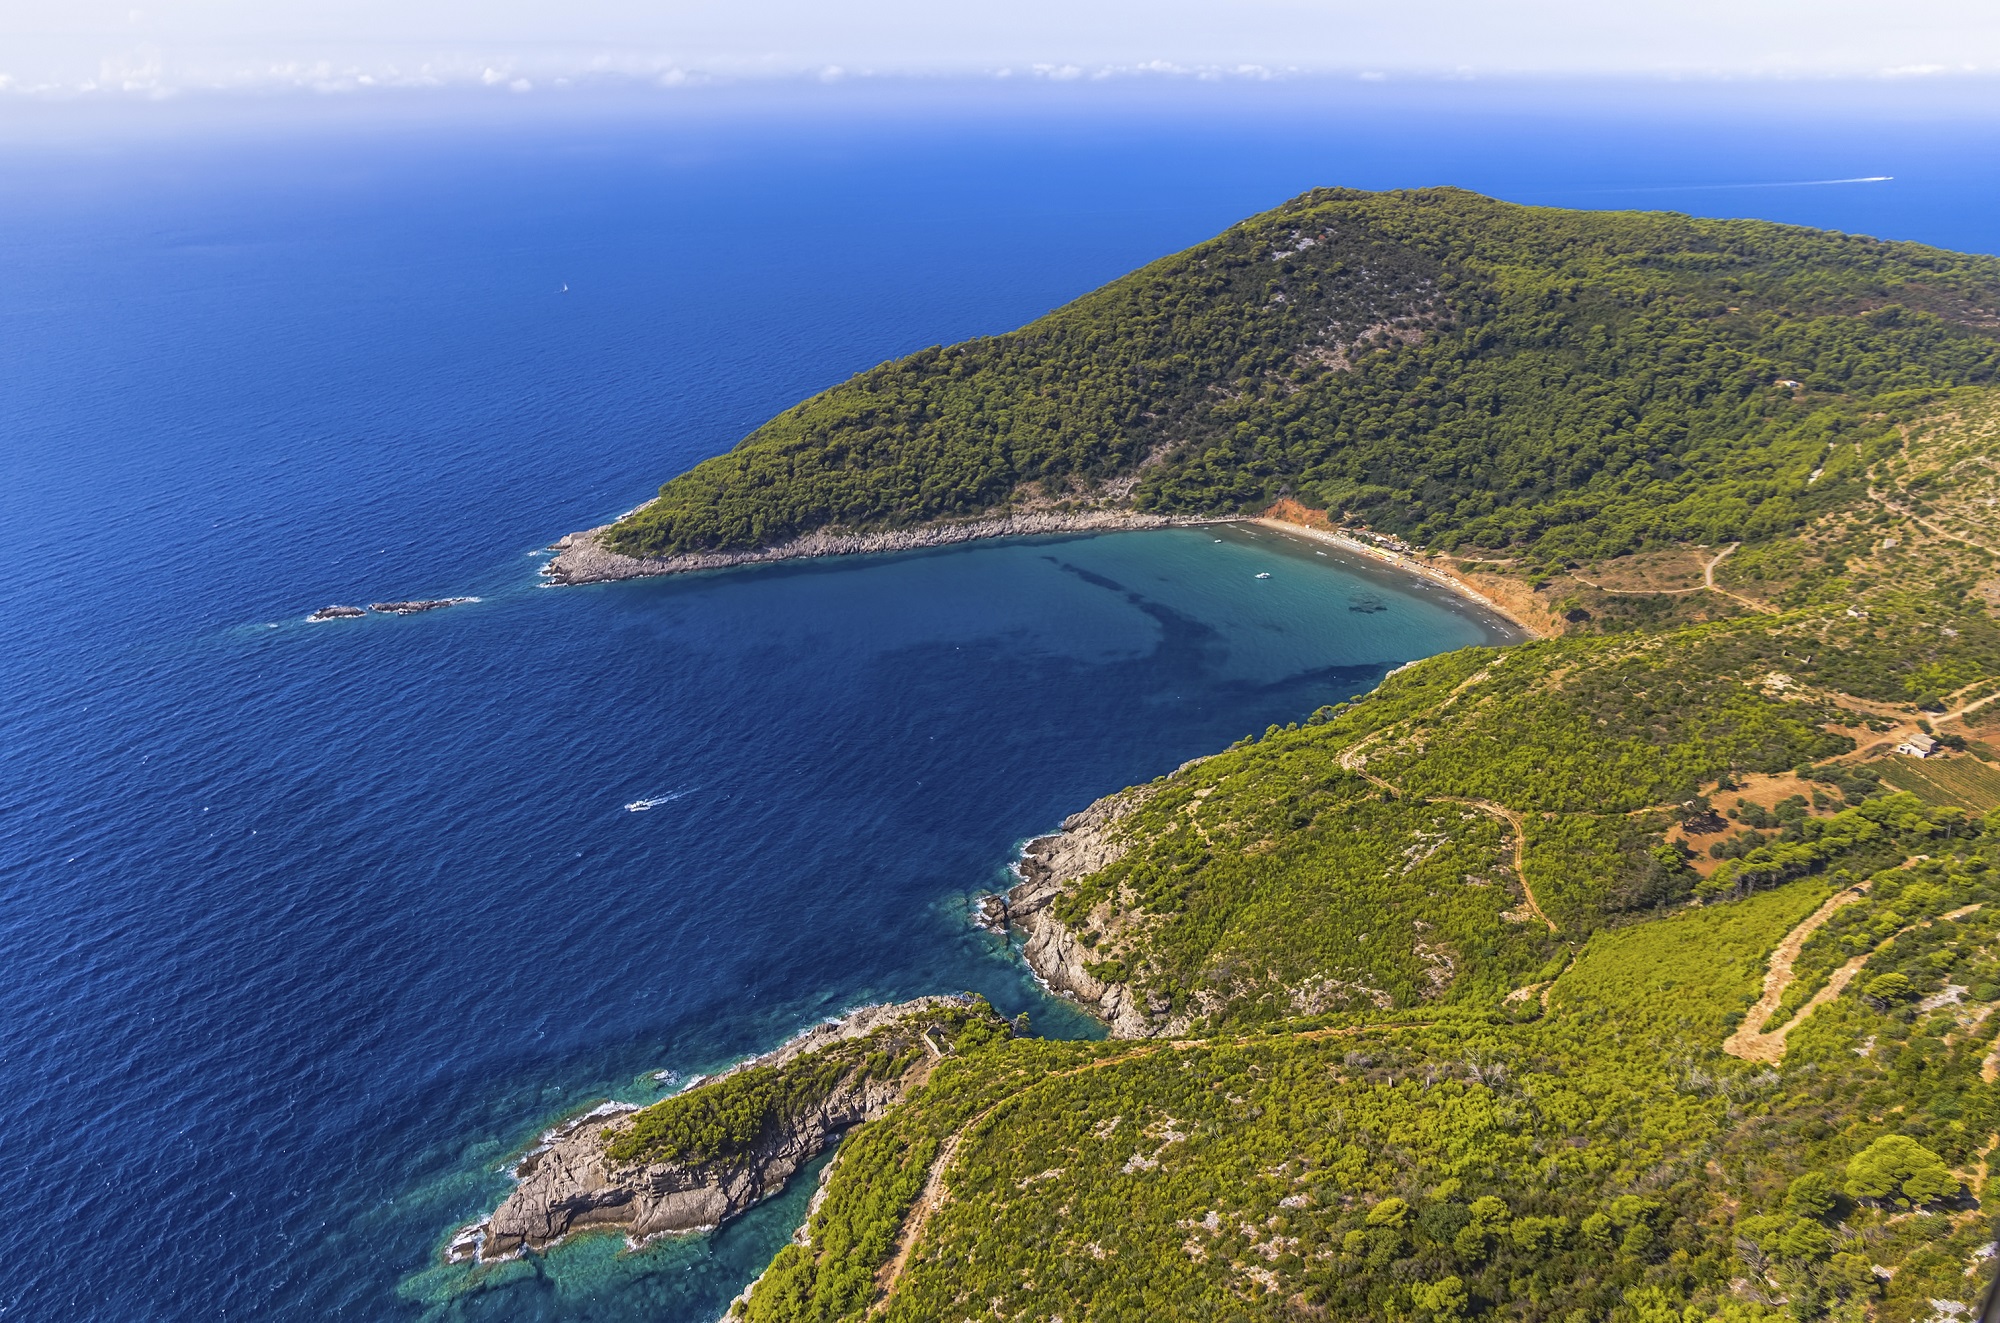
(641, 805)
(1768, 183)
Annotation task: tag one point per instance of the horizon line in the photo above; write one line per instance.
(507, 78)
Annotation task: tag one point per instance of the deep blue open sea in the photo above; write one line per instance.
(305, 928)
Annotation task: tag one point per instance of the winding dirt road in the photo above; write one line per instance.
(1750, 1044)
(935, 1191)
(1749, 1041)
(1354, 759)
(1708, 585)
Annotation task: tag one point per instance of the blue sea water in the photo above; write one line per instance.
(305, 928)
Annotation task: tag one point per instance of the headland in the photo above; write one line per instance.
(583, 558)
(707, 1154)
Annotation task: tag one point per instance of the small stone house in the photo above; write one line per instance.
(1918, 746)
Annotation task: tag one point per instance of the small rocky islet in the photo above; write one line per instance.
(409, 608)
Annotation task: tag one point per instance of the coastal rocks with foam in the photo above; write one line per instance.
(410, 608)
(583, 557)
(569, 1182)
(418, 607)
(1087, 842)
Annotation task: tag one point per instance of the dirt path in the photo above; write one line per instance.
(1989, 1069)
(1981, 1164)
(1749, 1042)
(1708, 570)
(1959, 712)
(1708, 581)
(1520, 830)
(935, 1192)
(1353, 760)
(1906, 725)
(1708, 585)
(1540, 991)
(1898, 507)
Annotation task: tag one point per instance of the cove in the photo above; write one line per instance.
(840, 755)
(307, 927)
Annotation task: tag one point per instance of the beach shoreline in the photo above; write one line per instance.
(1409, 564)
(1090, 839)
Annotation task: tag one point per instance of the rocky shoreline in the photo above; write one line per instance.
(582, 558)
(1086, 842)
(413, 608)
(568, 1182)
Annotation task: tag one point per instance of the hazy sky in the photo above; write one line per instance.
(56, 47)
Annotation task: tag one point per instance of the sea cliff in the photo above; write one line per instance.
(1087, 841)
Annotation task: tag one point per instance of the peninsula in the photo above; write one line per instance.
(694, 1160)
(1642, 971)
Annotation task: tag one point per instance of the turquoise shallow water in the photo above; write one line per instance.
(305, 928)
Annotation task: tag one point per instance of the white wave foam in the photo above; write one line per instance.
(641, 805)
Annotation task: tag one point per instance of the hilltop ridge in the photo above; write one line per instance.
(1438, 365)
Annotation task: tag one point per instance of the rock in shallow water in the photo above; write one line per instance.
(412, 608)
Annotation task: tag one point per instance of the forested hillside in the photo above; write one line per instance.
(1600, 1158)
(1442, 366)
(1645, 972)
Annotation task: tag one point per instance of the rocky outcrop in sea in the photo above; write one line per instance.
(410, 608)
(418, 607)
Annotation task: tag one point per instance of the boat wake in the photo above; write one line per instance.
(641, 805)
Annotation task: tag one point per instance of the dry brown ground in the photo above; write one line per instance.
(1764, 791)
(1675, 571)
(1982, 727)
(1515, 597)
(1674, 566)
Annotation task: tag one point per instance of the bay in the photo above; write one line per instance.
(305, 927)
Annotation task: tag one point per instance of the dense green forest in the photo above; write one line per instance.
(1639, 972)
(732, 1114)
(1347, 862)
(1456, 370)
